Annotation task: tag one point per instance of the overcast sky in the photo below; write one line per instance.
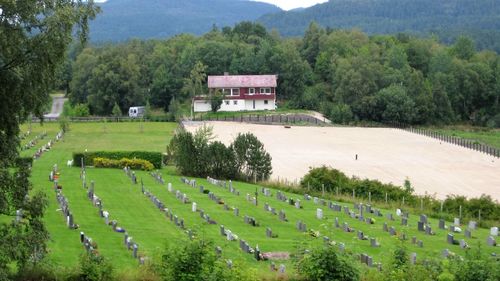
(283, 4)
(292, 4)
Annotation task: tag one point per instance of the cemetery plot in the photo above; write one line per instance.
(276, 222)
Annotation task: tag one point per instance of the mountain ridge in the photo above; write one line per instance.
(121, 20)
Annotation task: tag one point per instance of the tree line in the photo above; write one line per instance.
(345, 74)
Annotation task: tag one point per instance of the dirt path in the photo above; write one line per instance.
(389, 155)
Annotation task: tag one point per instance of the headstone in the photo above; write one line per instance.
(472, 225)
(404, 221)
(361, 235)
(494, 231)
(463, 244)
(423, 219)
(420, 243)
(19, 215)
(82, 237)
(319, 214)
(337, 225)
(468, 233)
(385, 227)
(297, 204)
(491, 241)
(374, 243)
(441, 224)
(420, 226)
(236, 211)
(70, 220)
(449, 239)
(456, 222)
(134, 253)
(390, 217)
(446, 253)
(169, 187)
(392, 231)
(341, 247)
(428, 230)
(414, 240)
(282, 269)
(193, 207)
(413, 258)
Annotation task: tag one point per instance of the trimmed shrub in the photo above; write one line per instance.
(154, 158)
(135, 164)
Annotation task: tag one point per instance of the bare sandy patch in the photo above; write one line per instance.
(389, 155)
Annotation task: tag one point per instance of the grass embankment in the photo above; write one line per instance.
(151, 230)
(482, 135)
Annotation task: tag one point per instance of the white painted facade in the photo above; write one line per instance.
(236, 105)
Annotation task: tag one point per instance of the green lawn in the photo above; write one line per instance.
(152, 230)
(483, 135)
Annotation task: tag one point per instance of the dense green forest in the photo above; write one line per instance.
(445, 18)
(120, 20)
(345, 74)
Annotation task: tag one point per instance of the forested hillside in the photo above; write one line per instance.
(347, 75)
(479, 19)
(125, 19)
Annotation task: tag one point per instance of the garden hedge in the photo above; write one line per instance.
(154, 157)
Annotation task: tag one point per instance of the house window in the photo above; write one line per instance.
(266, 91)
(235, 102)
(266, 101)
(235, 92)
(251, 91)
(226, 92)
(227, 102)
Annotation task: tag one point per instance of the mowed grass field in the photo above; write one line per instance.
(486, 136)
(152, 230)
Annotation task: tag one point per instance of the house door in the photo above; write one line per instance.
(253, 104)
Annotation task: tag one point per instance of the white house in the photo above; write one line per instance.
(241, 92)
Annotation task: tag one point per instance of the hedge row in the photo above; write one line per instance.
(135, 164)
(154, 157)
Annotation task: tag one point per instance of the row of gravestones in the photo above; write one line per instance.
(97, 202)
(230, 236)
(157, 177)
(130, 174)
(224, 184)
(32, 143)
(302, 226)
(423, 224)
(47, 146)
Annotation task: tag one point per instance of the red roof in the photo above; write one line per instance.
(242, 81)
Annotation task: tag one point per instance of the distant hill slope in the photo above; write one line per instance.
(443, 17)
(124, 19)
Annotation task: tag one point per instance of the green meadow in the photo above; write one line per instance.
(152, 230)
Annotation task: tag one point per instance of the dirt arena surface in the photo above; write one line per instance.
(389, 155)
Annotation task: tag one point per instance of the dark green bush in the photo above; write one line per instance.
(154, 157)
(21, 161)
